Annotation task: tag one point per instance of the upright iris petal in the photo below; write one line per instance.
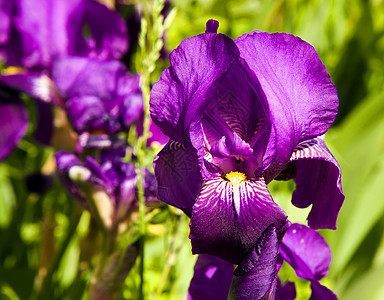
(302, 100)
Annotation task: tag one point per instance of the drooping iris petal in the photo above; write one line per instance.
(320, 292)
(302, 100)
(306, 251)
(256, 274)
(99, 95)
(211, 280)
(197, 68)
(179, 181)
(318, 182)
(57, 28)
(228, 219)
(13, 121)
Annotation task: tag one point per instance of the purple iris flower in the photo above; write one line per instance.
(239, 114)
(114, 183)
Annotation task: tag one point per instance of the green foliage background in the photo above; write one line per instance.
(349, 37)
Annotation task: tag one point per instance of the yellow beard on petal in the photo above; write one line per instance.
(236, 179)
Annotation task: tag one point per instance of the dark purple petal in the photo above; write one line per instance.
(13, 121)
(179, 181)
(256, 274)
(302, 100)
(287, 291)
(227, 218)
(306, 251)
(320, 292)
(53, 28)
(318, 182)
(211, 280)
(198, 67)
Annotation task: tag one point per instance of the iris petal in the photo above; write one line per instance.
(306, 251)
(318, 182)
(302, 100)
(178, 178)
(226, 221)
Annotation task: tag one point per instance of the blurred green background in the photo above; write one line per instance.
(349, 38)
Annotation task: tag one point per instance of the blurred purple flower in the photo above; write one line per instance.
(240, 113)
(115, 178)
(34, 36)
(31, 35)
(99, 96)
